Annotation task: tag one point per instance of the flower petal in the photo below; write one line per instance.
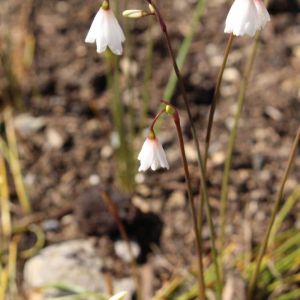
(106, 31)
(162, 157)
(94, 29)
(246, 17)
(152, 156)
(116, 35)
(263, 14)
(146, 155)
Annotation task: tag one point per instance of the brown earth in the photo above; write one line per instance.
(66, 85)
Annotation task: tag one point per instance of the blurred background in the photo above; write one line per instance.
(72, 122)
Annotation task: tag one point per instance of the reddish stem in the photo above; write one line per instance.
(155, 120)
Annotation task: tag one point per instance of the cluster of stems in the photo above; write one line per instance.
(201, 165)
(171, 110)
(197, 216)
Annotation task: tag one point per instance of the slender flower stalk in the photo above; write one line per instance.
(201, 284)
(232, 139)
(212, 113)
(239, 26)
(196, 142)
(6, 226)
(263, 248)
(216, 97)
(14, 161)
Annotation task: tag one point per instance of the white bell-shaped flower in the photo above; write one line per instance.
(246, 17)
(105, 31)
(152, 155)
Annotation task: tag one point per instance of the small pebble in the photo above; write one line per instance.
(94, 179)
(27, 124)
(50, 225)
(273, 113)
(176, 200)
(54, 139)
(122, 251)
(231, 74)
(107, 152)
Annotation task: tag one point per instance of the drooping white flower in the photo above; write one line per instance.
(263, 14)
(246, 17)
(152, 155)
(105, 31)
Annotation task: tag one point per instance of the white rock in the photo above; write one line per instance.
(190, 151)
(54, 139)
(27, 124)
(176, 200)
(129, 67)
(273, 113)
(122, 251)
(139, 178)
(74, 263)
(231, 74)
(218, 158)
(94, 179)
(107, 151)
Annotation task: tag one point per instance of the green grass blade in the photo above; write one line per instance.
(184, 50)
(285, 210)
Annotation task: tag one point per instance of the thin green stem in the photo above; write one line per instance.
(292, 156)
(124, 154)
(216, 97)
(284, 211)
(201, 283)
(130, 82)
(264, 245)
(14, 161)
(212, 113)
(196, 142)
(232, 139)
(4, 201)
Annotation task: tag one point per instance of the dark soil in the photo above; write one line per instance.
(72, 152)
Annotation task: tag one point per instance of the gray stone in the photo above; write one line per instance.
(122, 251)
(72, 263)
(50, 225)
(54, 139)
(27, 124)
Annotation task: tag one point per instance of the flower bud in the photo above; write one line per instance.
(169, 110)
(134, 13)
(105, 5)
(151, 8)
